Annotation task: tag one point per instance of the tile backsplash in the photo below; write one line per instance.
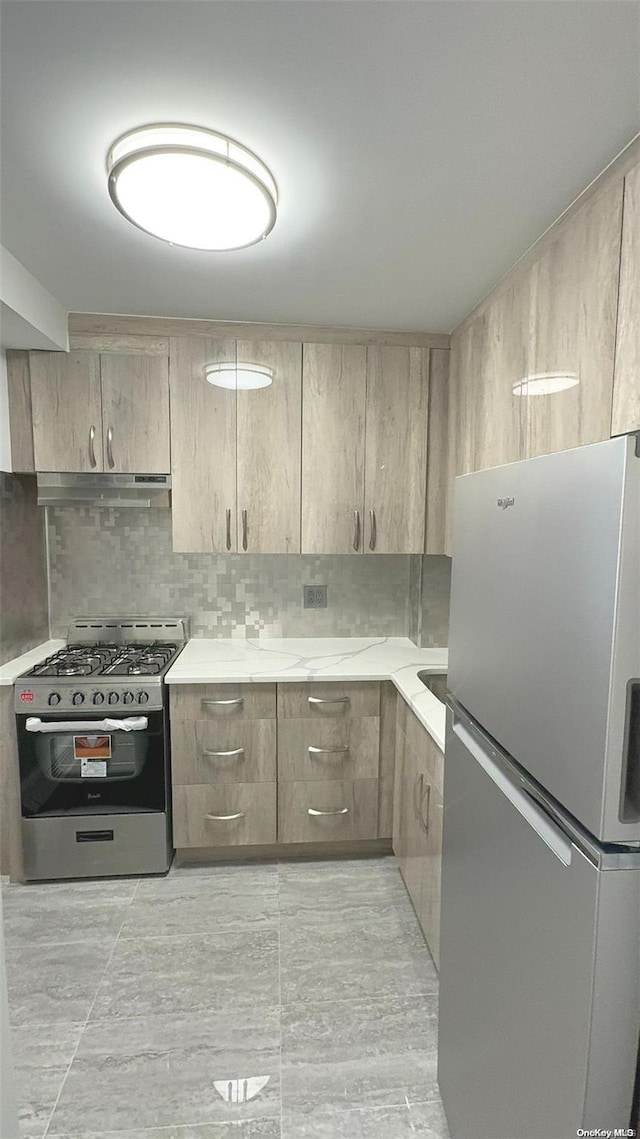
(23, 571)
(104, 562)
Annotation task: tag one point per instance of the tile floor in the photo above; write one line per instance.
(279, 1001)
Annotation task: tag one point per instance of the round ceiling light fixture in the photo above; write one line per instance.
(239, 377)
(192, 187)
(546, 383)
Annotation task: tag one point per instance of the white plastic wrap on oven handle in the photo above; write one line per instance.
(130, 724)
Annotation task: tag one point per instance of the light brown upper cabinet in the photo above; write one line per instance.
(235, 454)
(96, 412)
(334, 383)
(626, 382)
(437, 452)
(574, 294)
(364, 449)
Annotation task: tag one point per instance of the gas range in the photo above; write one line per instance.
(107, 664)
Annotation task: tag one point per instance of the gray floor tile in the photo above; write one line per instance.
(53, 983)
(201, 972)
(41, 920)
(41, 1056)
(166, 1070)
(210, 900)
(422, 1121)
(251, 1129)
(348, 960)
(315, 892)
(358, 1054)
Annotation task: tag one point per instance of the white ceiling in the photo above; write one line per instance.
(419, 147)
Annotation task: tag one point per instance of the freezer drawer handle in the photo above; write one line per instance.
(531, 813)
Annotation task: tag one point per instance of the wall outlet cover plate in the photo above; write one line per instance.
(314, 596)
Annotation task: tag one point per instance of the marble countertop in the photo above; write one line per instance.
(14, 668)
(318, 658)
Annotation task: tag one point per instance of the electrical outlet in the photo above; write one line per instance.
(314, 596)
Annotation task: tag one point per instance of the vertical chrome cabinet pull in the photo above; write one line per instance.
(417, 793)
(92, 446)
(110, 447)
(228, 529)
(426, 798)
(340, 811)
(374, 530)
(225, 818)
(245, 530)
(356, 530)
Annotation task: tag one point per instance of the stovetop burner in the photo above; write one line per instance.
(138, 658)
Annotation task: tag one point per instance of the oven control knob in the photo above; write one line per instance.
(98, 698)
(54, 698)
(142, 697)
(113, 697)
(127, 697)
(77, 698)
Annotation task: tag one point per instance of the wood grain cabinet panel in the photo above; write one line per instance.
(501, 365)
(328, 811)
(626, 381)
(66, 406)
(226, 814)
(203, 448)
(269, 451)
(330, 749)
(242, 751)
(437, 453)
(324, 699)
(574, 293)
(388, 710)
(396, 449)
(334, 379)
(135, 413)
(222, 701)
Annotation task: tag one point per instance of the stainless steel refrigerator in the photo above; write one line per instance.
(540, 938)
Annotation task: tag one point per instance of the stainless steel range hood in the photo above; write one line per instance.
(94, 489)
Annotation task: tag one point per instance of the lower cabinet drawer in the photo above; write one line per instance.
(328, 812)
(227, 814)
(328, 749)
(243, 751)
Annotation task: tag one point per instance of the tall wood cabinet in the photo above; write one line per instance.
(626, 384)
(364, 448)
(99, 412)
(235, 453)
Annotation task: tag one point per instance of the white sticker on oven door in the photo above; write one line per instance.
(93, 768)
(93, 753)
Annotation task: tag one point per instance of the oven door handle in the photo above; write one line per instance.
(90, 727)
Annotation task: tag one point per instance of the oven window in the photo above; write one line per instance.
(85, 772)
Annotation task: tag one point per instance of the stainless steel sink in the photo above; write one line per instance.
(436, 682)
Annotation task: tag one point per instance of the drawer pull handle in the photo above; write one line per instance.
(225, 818)
(327, 750)
(334, 700)
(223, 754)
(237, 701)
(340, 811)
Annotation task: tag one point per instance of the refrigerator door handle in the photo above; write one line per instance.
(551, 834)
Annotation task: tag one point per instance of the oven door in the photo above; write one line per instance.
(91, 765)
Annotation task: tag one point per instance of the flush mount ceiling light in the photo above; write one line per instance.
(546, 383)
(239, 377)
(192, 187)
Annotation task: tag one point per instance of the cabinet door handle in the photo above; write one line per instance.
(417, 793)
(245, 530)
(356, 530)
(92, 445)
(228, 529)
(237, 701)
(110, 447)
(225, 818)
(223, 754)
(340, 811)
(374, 530)
(315, 700)
(426, 798)
(327, 750)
